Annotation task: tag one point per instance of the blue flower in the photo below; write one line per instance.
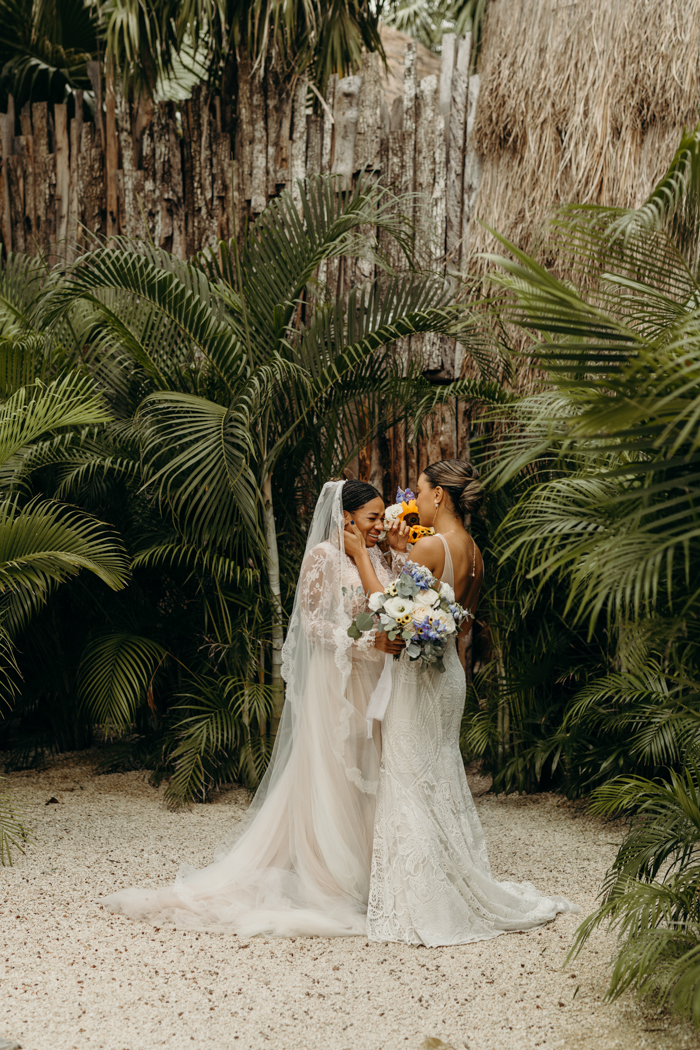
(404, 495)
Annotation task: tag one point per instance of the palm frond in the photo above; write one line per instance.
(13, 829)
(114, 676)
(47, 542)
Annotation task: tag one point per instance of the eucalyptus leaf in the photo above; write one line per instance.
(364, 622)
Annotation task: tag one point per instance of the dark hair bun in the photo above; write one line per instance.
(461, 482)
(357, 493)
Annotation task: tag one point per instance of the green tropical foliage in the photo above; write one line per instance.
(429, 20)
(233, 386)
(596, 526)
(13, 831)
(46, 47)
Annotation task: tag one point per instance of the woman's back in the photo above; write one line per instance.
(457, 550)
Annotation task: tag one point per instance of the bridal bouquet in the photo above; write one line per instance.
(418, 608)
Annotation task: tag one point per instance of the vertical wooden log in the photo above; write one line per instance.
(447, 62)
(95, 74)
(408, 185)
(7, 134)
(111, 153)
(426, 245)
(189, 159)
(273, 117)
(426, 117)
(345, 114)
(75, 203)
(148, 187)
(91, 182)
(258, 181)
(17, 193)
(62, 175)
(367, 137)
(223, 190)
(439, 349)
(328, 270)
(283, 159)
(204, 171)
(314, 143)
(299, 132)
(130, 219)
(328, 125)
(163, 228)
(409, 119)
(455, 156)
(171, 233)
(244, 129)
(24, 146)
(40, 135)
(472, 168)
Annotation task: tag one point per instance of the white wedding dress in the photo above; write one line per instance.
(431, 881)
(300, 862)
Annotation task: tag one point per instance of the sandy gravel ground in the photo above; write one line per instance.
(73, 976)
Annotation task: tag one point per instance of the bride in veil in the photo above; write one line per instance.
(300, 864)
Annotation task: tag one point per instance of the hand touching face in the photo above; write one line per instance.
(397, 534)
(366, 523)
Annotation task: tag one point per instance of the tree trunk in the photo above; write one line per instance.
(273, 573)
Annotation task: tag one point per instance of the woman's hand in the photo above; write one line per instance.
(354, 541)
(385, 644)
(397, 534)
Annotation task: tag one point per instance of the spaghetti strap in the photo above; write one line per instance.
(448, 574)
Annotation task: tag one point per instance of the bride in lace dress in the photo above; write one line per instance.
(300, 863)
(431, 881)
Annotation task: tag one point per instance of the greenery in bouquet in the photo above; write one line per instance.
(418, 608)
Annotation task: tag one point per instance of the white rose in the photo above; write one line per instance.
(444, 619)
(399, 608)
(447, 592)
(376, 601)
(391, 514)
(427, 598)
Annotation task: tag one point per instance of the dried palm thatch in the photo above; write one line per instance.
(580, 100)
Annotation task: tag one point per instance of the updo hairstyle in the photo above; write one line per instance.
(357, 493)
(460, 480)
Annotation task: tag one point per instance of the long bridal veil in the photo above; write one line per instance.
(300, 862)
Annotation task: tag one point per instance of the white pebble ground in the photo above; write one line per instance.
(74, 976)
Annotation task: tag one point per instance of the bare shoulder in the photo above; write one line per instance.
(428, 551)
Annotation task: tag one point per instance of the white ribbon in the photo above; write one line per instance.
(379, 700)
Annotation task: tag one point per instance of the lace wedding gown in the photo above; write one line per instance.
(300, 863)
(431, 881)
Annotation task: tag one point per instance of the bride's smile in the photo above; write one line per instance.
(369, 519)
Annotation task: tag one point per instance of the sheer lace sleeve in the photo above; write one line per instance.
(321, 624)
(398, 560)
(315, 615)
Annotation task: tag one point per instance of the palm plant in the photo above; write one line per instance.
(612, 518)
(429, 20)
(42, 542)
(46, 47)
(652, 890)
(248, 385)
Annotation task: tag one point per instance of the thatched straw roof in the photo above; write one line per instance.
(580, 100)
